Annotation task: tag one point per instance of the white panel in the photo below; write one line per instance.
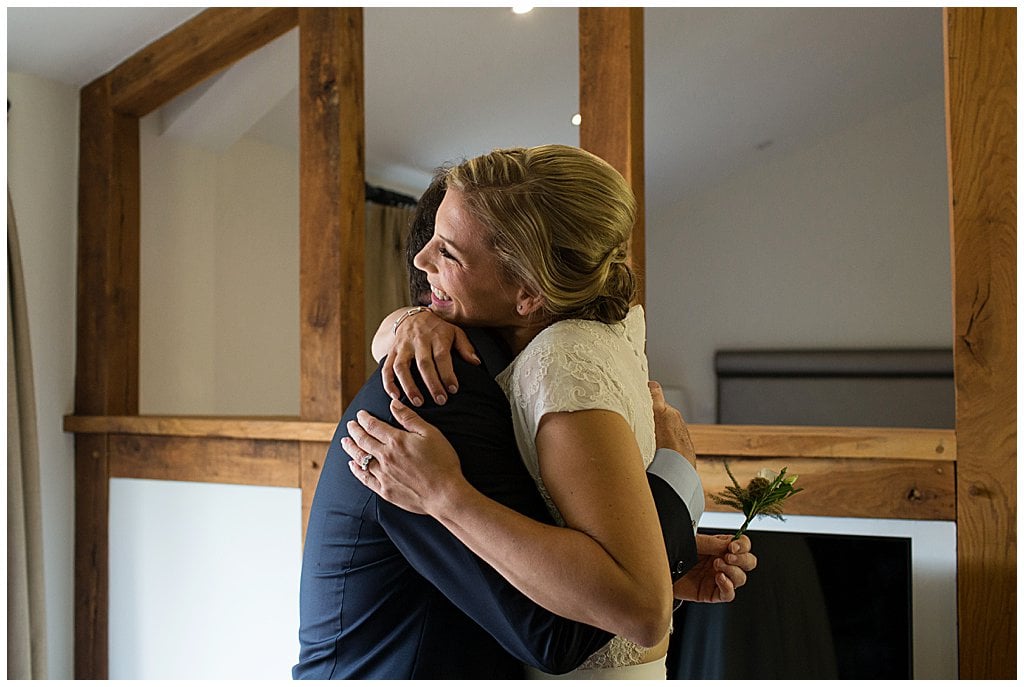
(204, 580)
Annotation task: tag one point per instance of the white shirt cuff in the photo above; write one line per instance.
(670, 466)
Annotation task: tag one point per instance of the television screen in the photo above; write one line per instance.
(818, 606)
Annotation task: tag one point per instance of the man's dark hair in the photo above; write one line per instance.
(421, 229)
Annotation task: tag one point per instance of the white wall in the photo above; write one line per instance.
(842, 243)
(219, 329)
(42, 174)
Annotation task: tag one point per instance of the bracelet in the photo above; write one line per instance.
(407, 313)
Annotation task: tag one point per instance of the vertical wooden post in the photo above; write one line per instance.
(107, 357)
(331, 221)
(981, 119)
(612, 103)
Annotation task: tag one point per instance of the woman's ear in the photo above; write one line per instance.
(528, 303)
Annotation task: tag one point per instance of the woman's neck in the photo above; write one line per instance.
(519, 337)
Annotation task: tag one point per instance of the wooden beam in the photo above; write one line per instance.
(107, 345)
(981, 96)
(257, 462)
(849, 471)
(332, 209)
(848, 487)
(331, 220)
(876, 443)
(92, 571)
(276, 429)
(612, 103)
(193, 52)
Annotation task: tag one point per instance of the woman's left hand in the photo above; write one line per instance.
(417, 470)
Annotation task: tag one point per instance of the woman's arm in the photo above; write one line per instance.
(607, 568)
(418, 335)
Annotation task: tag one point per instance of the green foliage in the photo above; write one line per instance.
(763, 496)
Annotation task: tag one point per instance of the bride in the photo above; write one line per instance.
(532, 242)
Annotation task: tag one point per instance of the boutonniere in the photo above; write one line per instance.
(763, 496)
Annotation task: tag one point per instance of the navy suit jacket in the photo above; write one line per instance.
(393, 595)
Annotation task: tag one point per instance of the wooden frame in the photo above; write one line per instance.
(845, 466)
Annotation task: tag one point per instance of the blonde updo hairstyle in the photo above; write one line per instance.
(560, 219)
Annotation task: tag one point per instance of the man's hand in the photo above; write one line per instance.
(669, 427)
(722, 567)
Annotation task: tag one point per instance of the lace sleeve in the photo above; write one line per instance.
(567, 372)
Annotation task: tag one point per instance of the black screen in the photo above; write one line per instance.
(818, 606)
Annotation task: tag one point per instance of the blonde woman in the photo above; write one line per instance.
(532, 243)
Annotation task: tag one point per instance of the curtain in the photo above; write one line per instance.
(26, 617)
(387, 281)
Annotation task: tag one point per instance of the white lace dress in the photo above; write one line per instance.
(586, 365)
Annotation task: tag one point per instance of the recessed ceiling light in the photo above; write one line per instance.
(521, 9)
(576, 119)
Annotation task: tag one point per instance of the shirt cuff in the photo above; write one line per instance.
(670, 466)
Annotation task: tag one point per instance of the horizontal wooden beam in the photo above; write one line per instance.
(193, 52)
(262, 428)
(877, 443)
(201, 459)
(846, 472)
(847, 487)
(880, 443)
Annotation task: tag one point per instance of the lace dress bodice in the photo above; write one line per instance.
(583, 365)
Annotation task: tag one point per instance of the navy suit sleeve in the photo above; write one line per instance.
(676, 527)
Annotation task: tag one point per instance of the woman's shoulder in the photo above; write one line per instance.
(591, 337)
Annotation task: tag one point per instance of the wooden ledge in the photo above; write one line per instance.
(748, 441)
(865, 472)
(878, 443)
(269, 428)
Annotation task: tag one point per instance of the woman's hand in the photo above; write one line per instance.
(417, 470)
(427, 340)
(722, 567)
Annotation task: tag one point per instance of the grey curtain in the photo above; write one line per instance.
(26, 616)
(387, 283)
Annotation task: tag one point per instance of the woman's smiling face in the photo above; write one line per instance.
(468, 286)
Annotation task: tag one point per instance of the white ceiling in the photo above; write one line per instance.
(723, 85)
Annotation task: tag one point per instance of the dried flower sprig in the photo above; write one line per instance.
(763, 496)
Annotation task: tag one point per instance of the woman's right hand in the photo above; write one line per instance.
(427, 340)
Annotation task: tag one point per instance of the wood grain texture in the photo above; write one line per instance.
(876, 443)
(311, 464)
(853, 471)
(92, 572)
(331, 210)
(272, 428)
(611, 42)
(107, 344)
(981, 80)
(196, 50)
(847, 487)
(258, 462)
